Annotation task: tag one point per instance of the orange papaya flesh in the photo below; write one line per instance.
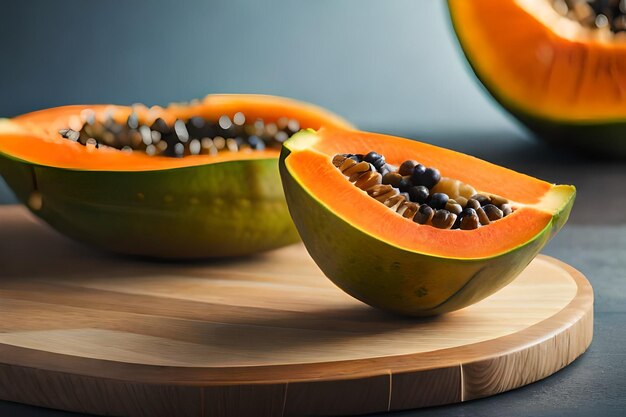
(196, 206)
(390, 261)
(565, 81)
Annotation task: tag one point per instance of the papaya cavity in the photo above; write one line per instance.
(420, 194)
(601, 15)
(183, 137)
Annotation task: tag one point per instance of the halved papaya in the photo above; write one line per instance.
(371, 248)
(187, 181)
(559, 66)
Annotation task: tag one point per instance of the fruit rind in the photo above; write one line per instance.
(397, 279)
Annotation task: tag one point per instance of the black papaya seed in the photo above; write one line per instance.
(482, 199)
(428, 177)
(438, 201)
(375, 159)
(468, 211)
(424, 214)
(160, 126)
(417, 174)
(419, 194)
(493, 212)
(469, 219)
(432, 177)
(405, 184)
(406, 168)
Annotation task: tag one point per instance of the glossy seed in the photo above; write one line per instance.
(406, 168)
(482, 199)
(160, 126)
(427, 177)
(392, 178)
(418, 194)
(424, 214)
(443, 219)
(482, 216)
(469, 219)
(432, 177)
(493, 212)
(372, 156)
(453, 207)
(471, 203)
(418, 173)
(375, 159)
(506, 209)
(405, 183)
(438, 201)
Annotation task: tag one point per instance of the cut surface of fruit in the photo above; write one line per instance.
(369, 248)
(559, 73)
(186, 181)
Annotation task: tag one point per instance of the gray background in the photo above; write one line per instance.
(390, 66)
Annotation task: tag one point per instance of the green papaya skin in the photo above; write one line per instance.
(224, 209)
(395, 279)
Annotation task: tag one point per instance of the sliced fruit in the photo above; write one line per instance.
(558, 66)
(368, 246)
(186, 181)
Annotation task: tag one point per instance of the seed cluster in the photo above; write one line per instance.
(595, 14)
(195, 136)
(420, 193)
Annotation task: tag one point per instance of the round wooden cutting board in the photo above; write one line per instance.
(262, 336)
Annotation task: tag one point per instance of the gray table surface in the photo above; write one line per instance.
(594, 241)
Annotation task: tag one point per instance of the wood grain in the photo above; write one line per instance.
(267, 335)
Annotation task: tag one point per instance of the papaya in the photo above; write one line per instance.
(558, 66)
(190, 180)
(412, 228)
